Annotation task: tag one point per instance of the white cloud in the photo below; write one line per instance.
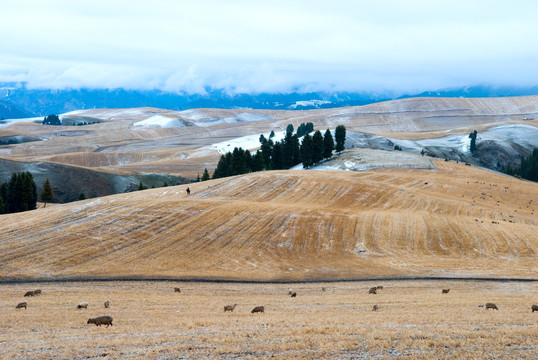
(269, 46)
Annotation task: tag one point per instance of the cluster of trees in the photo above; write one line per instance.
(20, 193)
(51, 120)
(277, 155)
(528, 168)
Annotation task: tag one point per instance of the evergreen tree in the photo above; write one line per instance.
(289, 128)
(272, 134)
(301, 130)
(277, 156)
(2, 208)
(165, 184)
(238, 163)
(205, 175)
(257, 162)
(296, 150)
(46, 193)
(309, 127)
(198, 179)
(328, 144)
(340, 137)
(472, 136)
(317, 147)
(82, 196)
(287, 150)
(306, 151)
(142, 186)
(51, 120)
(267, 152)
(262, 139)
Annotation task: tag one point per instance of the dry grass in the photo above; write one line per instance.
(151, 321)
(455, 220)
(115, 146)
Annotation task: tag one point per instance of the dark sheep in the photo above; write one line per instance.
(101, 320)
(375, 308)
(379, 287)
(445, 291)
(294, 294)
(258, 309)
(21, 305)
(534, 308)
(107, 304)
(176, 289)
(373, 290)
(323, 289)
(230, 308)
(83, 305)
(491, 306)
(37, 292)
(29, 293)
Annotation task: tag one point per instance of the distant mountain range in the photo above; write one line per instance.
(17, 101)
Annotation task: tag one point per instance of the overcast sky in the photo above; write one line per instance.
(269, 46)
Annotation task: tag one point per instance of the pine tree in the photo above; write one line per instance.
(205, 175)
(142, 186)
(272, 134)
(165, 184)
(472, 136)
(262, 139)
(306, 151)
(328, 144)
(277, 156)
(317, 147)
(340, 137)
(309, 127)
(267, 152)
(257, 162)
(287, 150)
(289, 128)
(82, 196)
(46, 193)
(301, 130)
(198, 179)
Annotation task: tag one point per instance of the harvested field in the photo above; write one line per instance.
(151, 321)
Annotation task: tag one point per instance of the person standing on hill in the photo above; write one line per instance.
(188, 191)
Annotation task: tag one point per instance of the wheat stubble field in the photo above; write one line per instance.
(151, 321)
(453, 221)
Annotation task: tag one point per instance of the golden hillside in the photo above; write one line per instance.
(117, 144)
(454, 220)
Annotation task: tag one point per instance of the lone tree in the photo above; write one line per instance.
(340, 137)
(46, 193)
(205, 175)
(472, 136)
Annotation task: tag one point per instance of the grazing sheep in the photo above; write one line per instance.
(107, 304)
(83, 305)
(101, 320)
(230, 308)
(290, 291)
(293, 294)
(323, 289)
(373, 290)
(37, 292)
(375, 308)
(21, 305)
(445, 291)
(379, 287)
(534, 308)
(258, 309)
(491, 306)
(29, 293)
(176, 289)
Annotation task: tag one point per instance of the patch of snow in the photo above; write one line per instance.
(201, 119)
(248, 142)
(307, 103)
(7, 122)
(158, 121)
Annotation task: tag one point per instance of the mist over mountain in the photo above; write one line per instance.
(17, 101)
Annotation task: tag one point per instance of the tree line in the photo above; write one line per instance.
(528, 169)
(20, 193)
(279, 155)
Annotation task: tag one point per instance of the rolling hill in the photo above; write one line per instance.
(449, 221)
